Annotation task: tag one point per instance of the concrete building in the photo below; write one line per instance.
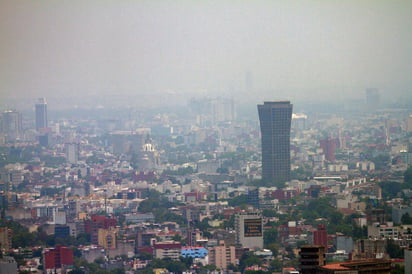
(328, 146)
(344, 243)
(107, 238)
(249, 230)
(408, 261)
(383, 231)
(311, 258)
(253, 197)
(72, 152)
(8, 265)
(399, 211)
(11, 125)
(97, 222)
(222, 256)
(167, 249)
(370, 249)
(138, 218)
(320, 236)
(5, 238)
(409, 124)
(275, 123)
(57, 258)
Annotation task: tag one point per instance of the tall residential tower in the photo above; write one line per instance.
(275, 120)
(41, 114)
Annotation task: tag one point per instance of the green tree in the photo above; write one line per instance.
(398, 269)
(408, 177)
(248, 259)
(239, 200)
(270, 236)
(394, 250)
(406, 219)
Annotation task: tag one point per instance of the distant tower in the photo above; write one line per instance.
(328, 146)
(11, 125)
(72, 152)
(275, 121)
(41, 114)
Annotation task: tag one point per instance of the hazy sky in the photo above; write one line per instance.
(132, 47)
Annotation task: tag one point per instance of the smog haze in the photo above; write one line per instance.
(252, 50)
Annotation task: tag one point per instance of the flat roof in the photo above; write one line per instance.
(336, 266)
(276, 102)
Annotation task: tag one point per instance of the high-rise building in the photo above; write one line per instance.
(408, 261)
(311, 258)
(41, 114)
(107, 238)
(275, 121)
(5, 238)
(222, 256)
(249, 230)
(72, 152)
(328, 146)
(11, 125)
(320, 236)
(409, 124)
(8, 265)
(253, 197)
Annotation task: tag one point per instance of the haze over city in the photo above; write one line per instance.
(254, 51)
(200, 137)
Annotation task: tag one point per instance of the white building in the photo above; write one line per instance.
(249, 230)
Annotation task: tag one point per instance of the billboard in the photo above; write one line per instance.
(253, 227)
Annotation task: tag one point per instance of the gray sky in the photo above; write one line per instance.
(305, 48)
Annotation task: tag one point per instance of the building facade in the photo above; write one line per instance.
(275, 122)
(11, 125)
(5, 238)
(167, 249)
(222, 256)
(249, 230)
(41, 114)
(311, 258)
(320, 236)
(56, 258)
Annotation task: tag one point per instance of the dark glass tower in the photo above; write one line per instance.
(41, 114)
(275, 119)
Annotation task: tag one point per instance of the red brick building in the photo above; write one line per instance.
(58, 257)
(320, 236)
(96, 222)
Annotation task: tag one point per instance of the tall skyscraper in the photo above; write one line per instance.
(41, 114)
(11, 125)
(275, 121)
